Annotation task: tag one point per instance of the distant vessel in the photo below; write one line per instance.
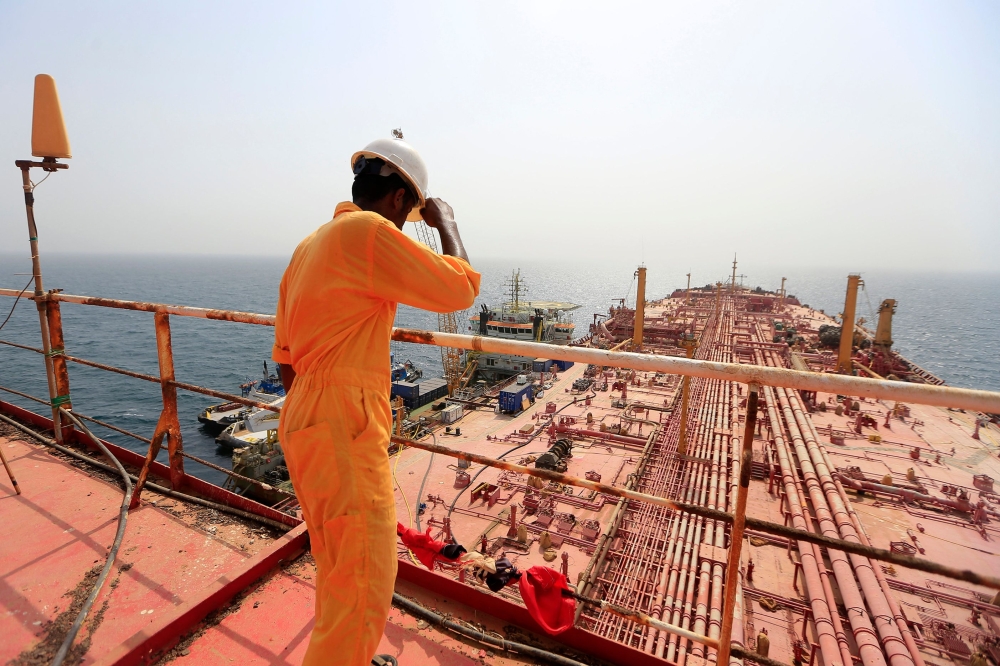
(217, 418)
(517, 319)
(257, 454)
(248, 429)
(251, 434)
(404, 371)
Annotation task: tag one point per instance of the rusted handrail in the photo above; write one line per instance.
(193, 388)
(127, 433)
(944, 396)
(144, 306)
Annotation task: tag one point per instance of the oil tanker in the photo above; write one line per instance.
(717, 474)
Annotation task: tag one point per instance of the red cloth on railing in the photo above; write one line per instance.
(421, 544)
(542, 592)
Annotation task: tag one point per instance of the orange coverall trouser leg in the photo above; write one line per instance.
(335, 440)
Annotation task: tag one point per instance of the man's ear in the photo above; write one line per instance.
(399, 200)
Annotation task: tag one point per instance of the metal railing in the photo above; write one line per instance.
(168, 426)
(925, 394)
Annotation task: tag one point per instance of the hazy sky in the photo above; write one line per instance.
(857, 135)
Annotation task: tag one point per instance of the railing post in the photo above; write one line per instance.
(57, 399)
(736, 534)
(689, 344)
(169, 421)
(154, 449)
(57, 344)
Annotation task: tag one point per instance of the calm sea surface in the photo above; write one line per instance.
(948, 323)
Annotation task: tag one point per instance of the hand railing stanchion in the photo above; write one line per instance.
(154, 449)
(57, 349)
(736, 532)
(165, 355)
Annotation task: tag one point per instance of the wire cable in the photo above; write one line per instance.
(408, 512)
(479, 635)
(399, 454)
(16, 301)
(420, 493)
(112, 554)
(34, 185)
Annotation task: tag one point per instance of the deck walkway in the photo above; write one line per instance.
(57, 535)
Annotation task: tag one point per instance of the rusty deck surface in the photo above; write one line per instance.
(174, 555)
(671, 566)
(65, 522)
(198, 586)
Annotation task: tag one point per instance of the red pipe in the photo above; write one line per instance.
(824, 575)
(864, 631)
(908, 495)
(625, 439)
(711, 531)
(708, 618)
(897, 614)
(891, 639)
(838, 625)
(661, 587)
(822, 616)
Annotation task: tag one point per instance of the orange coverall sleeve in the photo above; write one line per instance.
(407, 271)
(280, 352)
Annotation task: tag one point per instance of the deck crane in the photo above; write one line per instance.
(846, 350)
(883, 334)
(451, 358)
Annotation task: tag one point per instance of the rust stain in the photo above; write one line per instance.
(169, 418)
(242, 317)
(413, 335)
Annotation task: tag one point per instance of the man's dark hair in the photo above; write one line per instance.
(371, 187)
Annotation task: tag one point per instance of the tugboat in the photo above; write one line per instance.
(257, 455)
(217, 418)
(405, 371)
(249, 428)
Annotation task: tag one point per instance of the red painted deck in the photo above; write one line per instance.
(176, 561)
(181, 562)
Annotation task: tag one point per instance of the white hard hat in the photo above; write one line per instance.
(401, 158)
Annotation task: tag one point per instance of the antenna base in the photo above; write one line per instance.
(47, 164)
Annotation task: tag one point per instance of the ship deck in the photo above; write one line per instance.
(203, 586)
(175, 558)
(670, 565)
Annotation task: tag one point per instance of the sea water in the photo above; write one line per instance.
(947, 323)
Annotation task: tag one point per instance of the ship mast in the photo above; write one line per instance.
(516, 286)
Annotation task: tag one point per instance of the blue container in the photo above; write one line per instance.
(405, 390)
(541, 365)
(563, 365)
(510, 399)
(431, 390)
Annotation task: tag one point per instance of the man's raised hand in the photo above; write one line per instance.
(437, 213)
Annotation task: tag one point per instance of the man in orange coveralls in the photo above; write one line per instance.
(335, 312)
